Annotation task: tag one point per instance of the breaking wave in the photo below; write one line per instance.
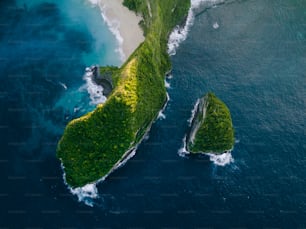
(218, 159)
(161, 115)
(89, 192)
(222, 159)
(180, 33)
(123, 162)
(86, 193)
(113, 26)
(94, 90)
(63, 85)
(167, 84)
(183, 152)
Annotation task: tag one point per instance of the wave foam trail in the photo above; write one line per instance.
(179, 34)
(86, 193)
(161, 114)
(167, 84)
(122, 163)
(89, 192)
(95, 91)
(222, 159)
(182, 152)
(63, 85)
(113, 25)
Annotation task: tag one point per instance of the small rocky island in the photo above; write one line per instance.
(211, 128)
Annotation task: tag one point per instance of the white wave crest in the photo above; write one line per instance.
(170, 76)
(193, 112)
(182, 152)
(180, 33)
(86, 193)
(123, 162)
(63, 85)
(161, 114)
(167, 84)
(221, 159)
(113, 26)
(94, 90)
(89, 192)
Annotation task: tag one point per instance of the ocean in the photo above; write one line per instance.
(251, 54)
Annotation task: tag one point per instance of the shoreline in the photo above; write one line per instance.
(124, 24)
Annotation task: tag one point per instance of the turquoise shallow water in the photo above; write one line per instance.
(254, 60)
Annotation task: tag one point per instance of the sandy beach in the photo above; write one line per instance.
(124, 24)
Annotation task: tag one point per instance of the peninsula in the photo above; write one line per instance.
(93, 145)
(211, 129)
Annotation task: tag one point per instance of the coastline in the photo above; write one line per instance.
(124, 24)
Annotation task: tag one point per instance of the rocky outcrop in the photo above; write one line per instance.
(211, 127)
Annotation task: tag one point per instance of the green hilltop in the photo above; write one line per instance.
(93, 144)
(212, 129)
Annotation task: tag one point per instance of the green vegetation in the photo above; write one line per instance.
(94, 143)
(133, 5)
(213, 128)
(110, 72)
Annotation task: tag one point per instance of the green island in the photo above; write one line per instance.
(212, 129)
(94, 144)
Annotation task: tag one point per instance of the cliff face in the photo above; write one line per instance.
(94, 143)
(211, 129)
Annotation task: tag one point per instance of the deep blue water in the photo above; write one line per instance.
(255, 62)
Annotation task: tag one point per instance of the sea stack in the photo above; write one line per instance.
(211, 128)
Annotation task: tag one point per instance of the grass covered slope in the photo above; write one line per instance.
(94, 143)
(212, 128)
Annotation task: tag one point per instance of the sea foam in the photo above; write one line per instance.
(221, 159)
(89, 192)
(218, 159)
(94, 90)
(180, 33)
(183, 152)
(86, 193)
(167, 84)
(161, 114)
(113, 26)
